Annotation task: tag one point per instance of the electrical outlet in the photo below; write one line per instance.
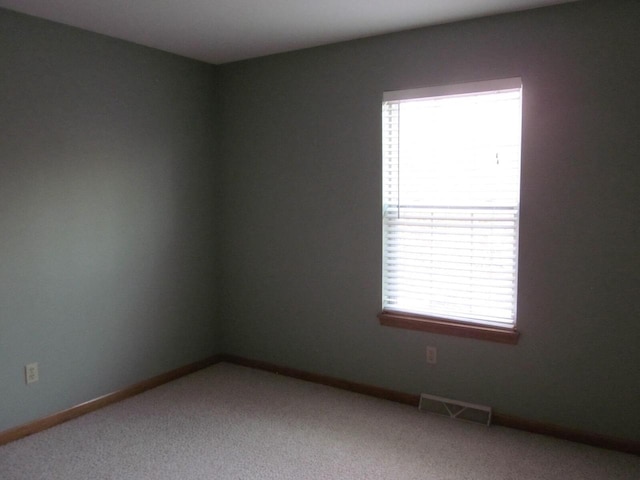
(31, 372)
(432, 355)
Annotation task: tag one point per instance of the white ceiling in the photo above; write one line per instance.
(220, 31)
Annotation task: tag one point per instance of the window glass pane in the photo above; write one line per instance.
(460, 150)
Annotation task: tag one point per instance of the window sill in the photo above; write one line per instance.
(447, 327)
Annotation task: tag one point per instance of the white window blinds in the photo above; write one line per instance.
(451, 189)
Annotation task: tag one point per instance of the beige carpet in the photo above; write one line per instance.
(231, 422)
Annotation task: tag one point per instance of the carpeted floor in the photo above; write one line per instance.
(231, 422)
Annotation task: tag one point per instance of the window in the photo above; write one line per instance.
(451, 195)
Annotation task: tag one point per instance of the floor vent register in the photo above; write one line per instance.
(455, 409)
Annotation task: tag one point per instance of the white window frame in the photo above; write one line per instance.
(506, 213)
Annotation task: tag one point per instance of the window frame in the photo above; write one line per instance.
(506, 333)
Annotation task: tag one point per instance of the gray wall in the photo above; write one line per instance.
(155, 210)
(107, 231)
(301, 189)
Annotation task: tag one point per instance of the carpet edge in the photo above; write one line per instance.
(531, 426)
(44, 423)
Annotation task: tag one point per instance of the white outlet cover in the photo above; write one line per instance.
(31, 372)
(432, 355)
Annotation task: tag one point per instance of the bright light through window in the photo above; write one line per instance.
(451, 201)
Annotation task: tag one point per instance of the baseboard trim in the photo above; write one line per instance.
(597, 440)
(370, 390)
(564, 433)
(593, 439)
(76, 411)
